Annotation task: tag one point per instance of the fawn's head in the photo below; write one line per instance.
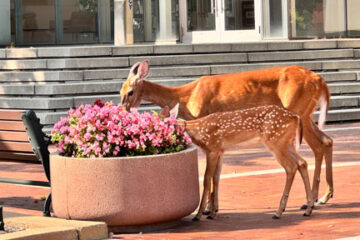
(130, 92)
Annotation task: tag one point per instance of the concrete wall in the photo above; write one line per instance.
(5, 36)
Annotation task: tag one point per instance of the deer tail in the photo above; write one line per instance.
(324, 103)
(299, 133)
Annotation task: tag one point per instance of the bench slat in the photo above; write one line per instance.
(11, 114)
(18, 156)
(13, 136)
(12, 125)
(15, 146)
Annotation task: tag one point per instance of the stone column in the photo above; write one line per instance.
(129, 22)
(5, 24)
(148, 21)
(165, 21)
(104, 22)
(119, 23)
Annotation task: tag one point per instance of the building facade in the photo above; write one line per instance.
(60, 22)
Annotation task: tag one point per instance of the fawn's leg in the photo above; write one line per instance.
(214, 207)
(321, 145)
(211, 163)
(288, 162)
(305, 176)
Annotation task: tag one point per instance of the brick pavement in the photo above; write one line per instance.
(246, 203)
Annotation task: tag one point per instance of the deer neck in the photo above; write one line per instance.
(160, 95)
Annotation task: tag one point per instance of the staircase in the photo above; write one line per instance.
(50, 80)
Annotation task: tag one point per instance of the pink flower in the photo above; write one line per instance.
(108, 130)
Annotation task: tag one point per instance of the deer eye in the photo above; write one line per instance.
(130, 93)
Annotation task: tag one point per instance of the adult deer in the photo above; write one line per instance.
(275, 127)
(293, 87)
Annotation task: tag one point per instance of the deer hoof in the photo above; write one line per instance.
(275, 217)
(206, 212)
(306, 215)
(195, 219)
(303, 207)
(210, 217)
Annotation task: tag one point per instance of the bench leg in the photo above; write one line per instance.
(46, 212)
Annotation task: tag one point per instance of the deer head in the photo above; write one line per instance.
(132, 87)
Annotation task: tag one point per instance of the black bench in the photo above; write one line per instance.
(22, 138)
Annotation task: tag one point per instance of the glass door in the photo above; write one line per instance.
(206, 21)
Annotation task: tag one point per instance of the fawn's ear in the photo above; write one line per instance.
(165, 111)
(175, 111)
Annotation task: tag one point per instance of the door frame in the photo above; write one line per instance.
(220, 35)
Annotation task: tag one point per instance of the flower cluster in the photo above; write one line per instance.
(107, 130)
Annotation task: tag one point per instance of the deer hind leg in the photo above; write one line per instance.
(321, 145)
(211, 163)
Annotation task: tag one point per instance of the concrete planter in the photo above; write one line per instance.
(128, 191)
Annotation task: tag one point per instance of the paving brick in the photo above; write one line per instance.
(70, 63)
(192, 59)
(18, 89)
(74, 51)
(133, 50)
(78, 88)
(21, 53)
(300, 55)
(320, 44)
(22, 64)
(249, 47)
(338, 76)
(341, 64)
(348, 43)
(180, 71)
(171, 49)
(209, 48)
(106, 74)
(285, 45)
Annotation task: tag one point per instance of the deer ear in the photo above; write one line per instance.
(143, 70)
(165, 111)
(175, 111)
(134, 69)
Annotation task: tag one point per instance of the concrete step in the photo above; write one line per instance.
(91, 62)
(344, 88)
(343, 115)
(110, 50)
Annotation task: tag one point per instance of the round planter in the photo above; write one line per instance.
(125, 191)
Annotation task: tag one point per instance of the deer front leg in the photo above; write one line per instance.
(290, 174)
(211, 162)
(289, 163)
(214, 207)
